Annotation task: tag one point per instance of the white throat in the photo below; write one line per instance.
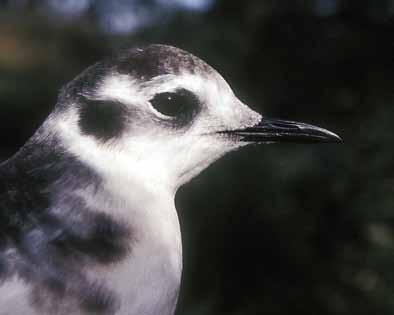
(147, 280)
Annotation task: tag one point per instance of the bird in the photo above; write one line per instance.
(87, 212)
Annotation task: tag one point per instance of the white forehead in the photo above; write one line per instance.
(129, 90)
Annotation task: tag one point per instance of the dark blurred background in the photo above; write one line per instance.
(278, 229)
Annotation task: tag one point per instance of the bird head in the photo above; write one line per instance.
(160, 115)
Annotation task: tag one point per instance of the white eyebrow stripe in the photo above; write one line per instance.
(127, 90)
(211, 90)
(120, 87)
(170, 82)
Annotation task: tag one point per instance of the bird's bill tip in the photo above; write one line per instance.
(278, 130)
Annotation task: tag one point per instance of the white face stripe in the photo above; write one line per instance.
(155, 154)
(120, 87)
(128, 90)
(212, 90)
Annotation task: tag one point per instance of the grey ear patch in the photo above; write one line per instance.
(105, 120)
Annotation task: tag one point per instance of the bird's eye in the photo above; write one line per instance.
(180, 105)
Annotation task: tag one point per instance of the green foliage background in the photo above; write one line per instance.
(278, 229)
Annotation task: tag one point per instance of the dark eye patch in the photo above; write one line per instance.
(181, 106)
(104, 120)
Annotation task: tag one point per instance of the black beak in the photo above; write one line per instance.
(277, 130)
